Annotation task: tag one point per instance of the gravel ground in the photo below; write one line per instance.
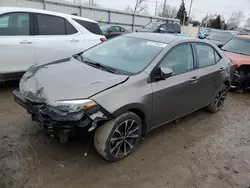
(202, 150)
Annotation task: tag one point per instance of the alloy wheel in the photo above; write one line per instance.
(124, 138)
(220, 98)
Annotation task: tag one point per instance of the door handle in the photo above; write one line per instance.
(194, 79)
(25, 42)
(74, 40)
(222, 69)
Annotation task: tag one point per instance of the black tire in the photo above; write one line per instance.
(125, 130)
(218, 99)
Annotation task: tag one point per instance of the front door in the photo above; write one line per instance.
(176, 96)
(17, 46)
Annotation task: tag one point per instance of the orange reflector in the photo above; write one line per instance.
(87, 106)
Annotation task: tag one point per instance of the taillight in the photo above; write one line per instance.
(103, 39)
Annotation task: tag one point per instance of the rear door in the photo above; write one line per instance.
(177, 95)
(17, 44)
(56, 38)
(90, 33)
(210, 68)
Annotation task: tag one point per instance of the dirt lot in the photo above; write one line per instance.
(202, 150)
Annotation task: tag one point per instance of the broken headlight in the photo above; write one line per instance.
(72, 105)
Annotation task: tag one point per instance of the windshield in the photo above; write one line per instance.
(125, 54)
(152, 26)
(238, 45)
(220, 36)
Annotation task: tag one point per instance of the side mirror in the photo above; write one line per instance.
(109, 31)
(166, 73)
(160, 74)
(220, 45)
(161, 30)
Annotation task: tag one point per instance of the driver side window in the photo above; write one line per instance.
(180, 59)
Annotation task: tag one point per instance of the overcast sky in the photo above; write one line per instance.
(200, 7)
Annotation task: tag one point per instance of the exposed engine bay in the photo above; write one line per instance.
(241, 78)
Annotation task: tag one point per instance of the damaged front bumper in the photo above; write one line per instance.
(62, 124)
(240, 81)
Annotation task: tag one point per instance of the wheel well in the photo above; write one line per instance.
(143, 119)
(227, 83)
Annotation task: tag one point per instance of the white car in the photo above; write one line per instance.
(32, 36)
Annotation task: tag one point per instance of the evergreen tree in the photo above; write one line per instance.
(182, 12)
(216, 23)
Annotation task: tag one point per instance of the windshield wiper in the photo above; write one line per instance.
(101, 66)
(95, 64)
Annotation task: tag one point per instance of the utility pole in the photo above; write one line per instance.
(189, 14)
(164, 6)
(156, 6)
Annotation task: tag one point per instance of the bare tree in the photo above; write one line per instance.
(247, 23)
(140, 6)
(207, 20)
(234, 20)
(169, 11)
(129, 9)
(88, 2)
(93, 3)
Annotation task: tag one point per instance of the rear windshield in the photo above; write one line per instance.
(90, 26)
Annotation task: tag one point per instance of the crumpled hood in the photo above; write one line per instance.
(238, 59)
(66, 79)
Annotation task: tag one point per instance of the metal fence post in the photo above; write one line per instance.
(44, 4)
(80, 10)
(133, 22)
(109, 16)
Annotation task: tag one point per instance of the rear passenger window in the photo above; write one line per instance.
(206, 55)
(15, 24)
(90, 26)
(50, 25)
(53, 25)
(70, 28)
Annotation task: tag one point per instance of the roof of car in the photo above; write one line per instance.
(243, 36)
(164, 38)
(18, 9)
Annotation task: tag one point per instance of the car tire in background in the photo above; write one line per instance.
(118, 138)
(218, 100)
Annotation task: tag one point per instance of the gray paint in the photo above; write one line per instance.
(161, 101)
